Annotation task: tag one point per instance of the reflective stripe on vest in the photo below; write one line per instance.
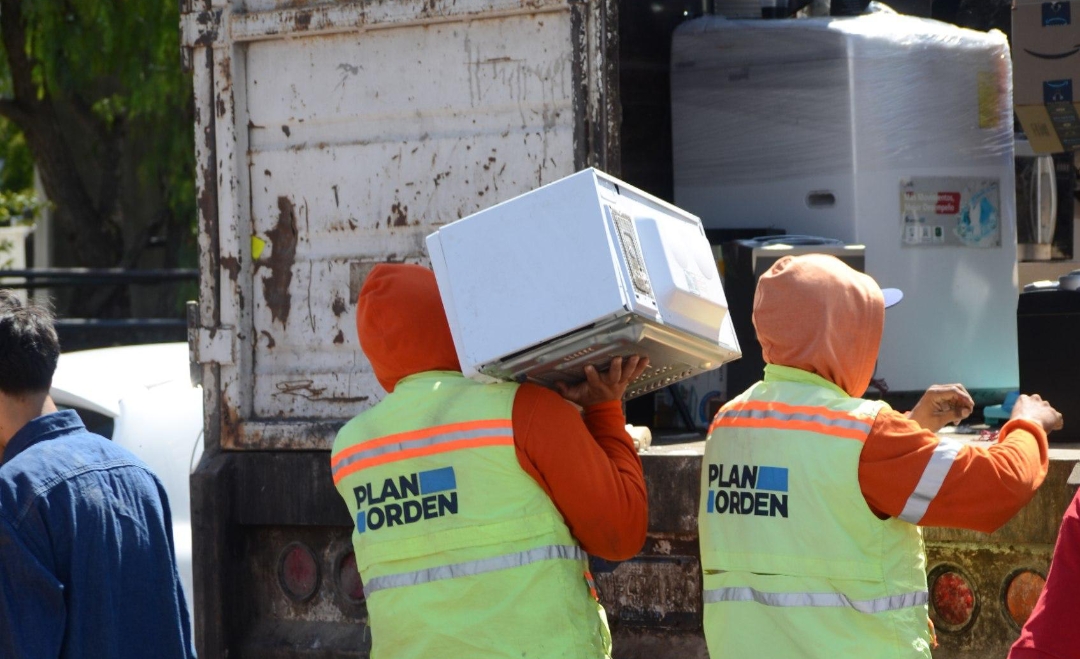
(941, 461)
(758, 414)
(418, 443)
(470, 568)
(878, 605)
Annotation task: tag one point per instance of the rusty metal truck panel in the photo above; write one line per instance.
(335, 136)
(332, 136)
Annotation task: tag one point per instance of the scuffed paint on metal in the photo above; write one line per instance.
(338, 307)
(375, 136)
(654, 591)
(199, 29)
(653, 601)
(283, 238)
(205, 203)
(307, 389)
(359, 271)
(262, 19)
(231, 264)
(231, 425)
(302, 20)
(283, 436)
(399, 215)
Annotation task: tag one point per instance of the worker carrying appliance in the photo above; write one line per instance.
(474, 503)
(812, 497)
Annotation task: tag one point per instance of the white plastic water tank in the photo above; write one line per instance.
(886, 130)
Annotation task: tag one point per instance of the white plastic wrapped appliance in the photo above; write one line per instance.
(577, 272)
(886, 130)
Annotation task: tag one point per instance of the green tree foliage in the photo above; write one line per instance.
(18, 207)
(17, 171)
(18, 203)
(95, 87)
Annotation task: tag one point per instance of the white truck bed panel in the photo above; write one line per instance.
(335, 136)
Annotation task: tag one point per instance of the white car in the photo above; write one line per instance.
(141, 397)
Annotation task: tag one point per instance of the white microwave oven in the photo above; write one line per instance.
(577, 272)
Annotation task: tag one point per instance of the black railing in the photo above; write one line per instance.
(83, 333)
(74, 277)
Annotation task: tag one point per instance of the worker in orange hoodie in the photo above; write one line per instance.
(812, 497)
(475, 504)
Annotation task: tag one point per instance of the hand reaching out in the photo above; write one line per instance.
(1038, 410)
(941, 405)
(602, 387)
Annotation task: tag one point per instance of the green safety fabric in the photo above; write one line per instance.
(795, 563)
(462, 554)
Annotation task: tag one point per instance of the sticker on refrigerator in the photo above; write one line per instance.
(956, 211)
(993, 94)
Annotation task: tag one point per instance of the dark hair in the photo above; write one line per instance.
(9, 300)
(29, 347)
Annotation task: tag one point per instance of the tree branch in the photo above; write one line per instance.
(12, 111)
(108, 139)
(37, 117)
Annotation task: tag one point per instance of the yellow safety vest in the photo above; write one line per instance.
(462, 554)
(795, 563)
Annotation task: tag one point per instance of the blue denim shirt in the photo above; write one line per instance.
(87, 566)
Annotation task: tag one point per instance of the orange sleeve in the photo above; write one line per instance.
(587, 466)
(979, 489)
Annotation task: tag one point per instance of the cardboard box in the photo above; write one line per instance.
(1046, 73)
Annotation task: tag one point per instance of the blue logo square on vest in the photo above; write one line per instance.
(437, 480)
(772, 478)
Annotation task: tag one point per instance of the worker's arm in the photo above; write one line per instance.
(905, 471)
(32, 612)
(588, 466)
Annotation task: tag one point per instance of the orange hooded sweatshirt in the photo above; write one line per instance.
(586, 463)
(815, 313)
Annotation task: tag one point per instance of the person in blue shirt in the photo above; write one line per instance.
(87, 564)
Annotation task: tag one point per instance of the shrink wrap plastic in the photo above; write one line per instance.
(759, 99)
(884, 130)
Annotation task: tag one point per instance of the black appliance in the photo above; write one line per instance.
(1048, 342)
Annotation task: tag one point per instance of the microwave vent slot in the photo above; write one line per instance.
(580, 353)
